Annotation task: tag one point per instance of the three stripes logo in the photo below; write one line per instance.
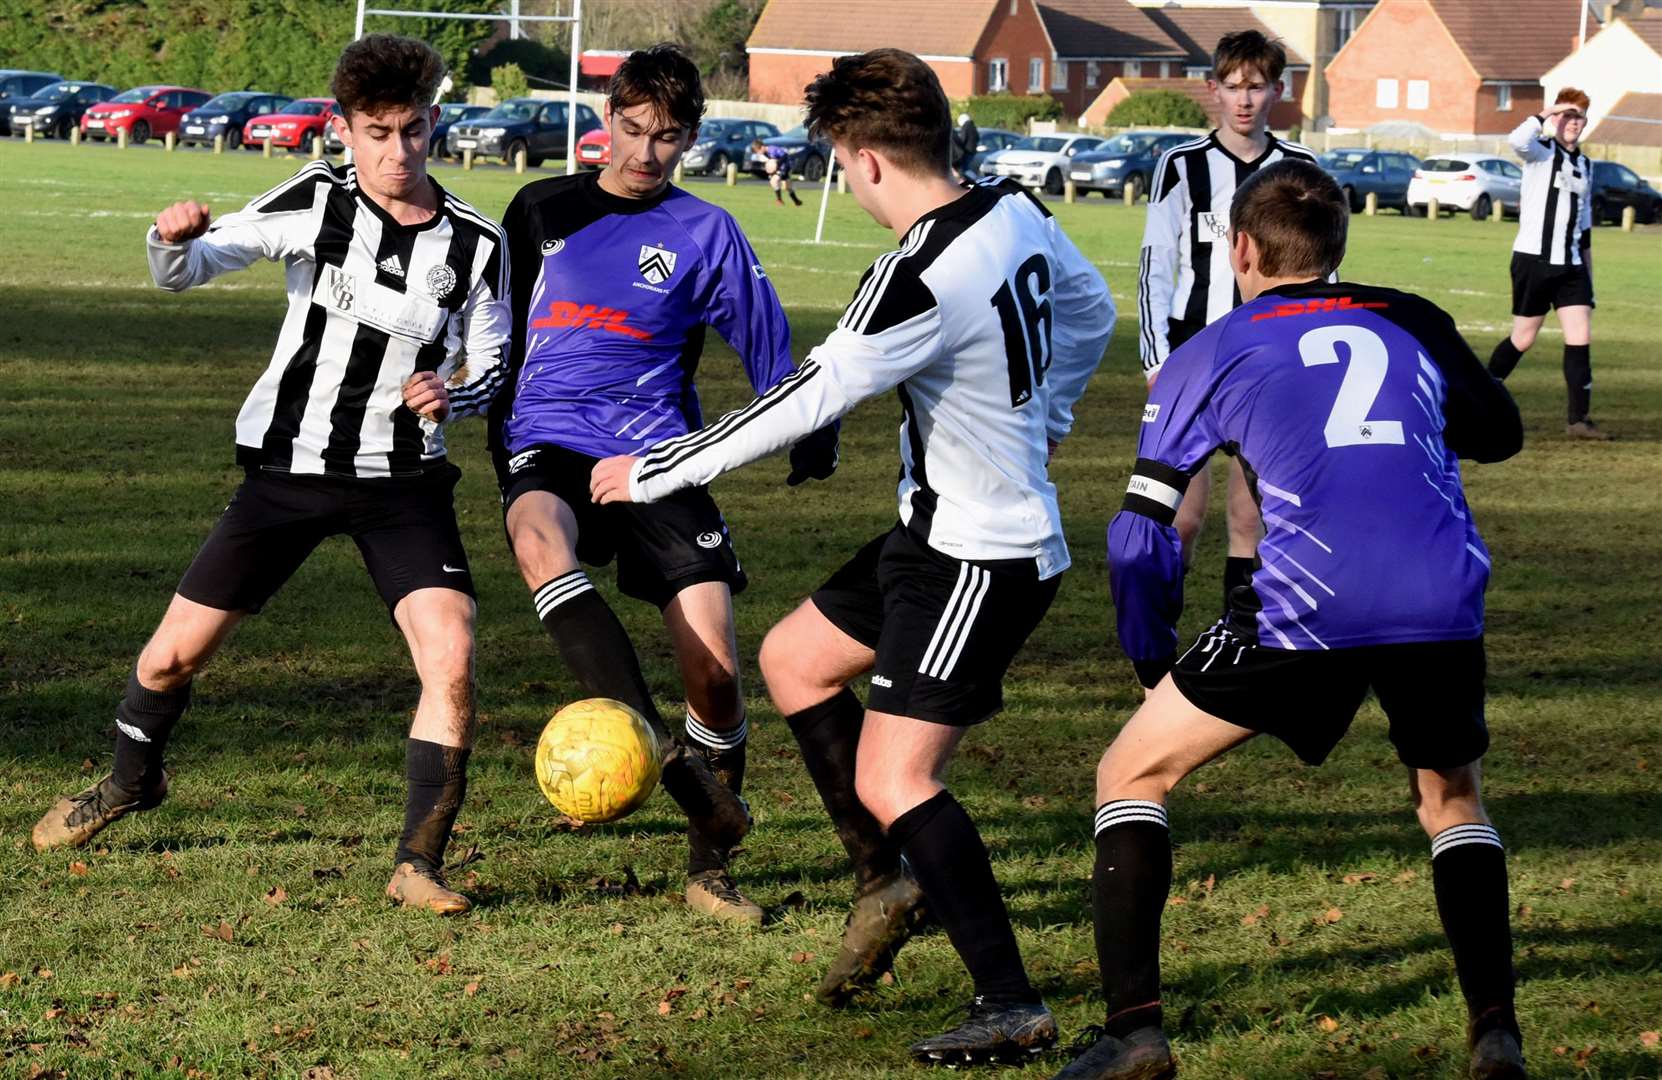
(656, 264)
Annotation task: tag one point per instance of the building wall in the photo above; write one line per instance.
(1301, 30)
(1403, 40)
(1612, 63)
(1018, 38)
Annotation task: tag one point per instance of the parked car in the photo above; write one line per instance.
(1040, 161)
(292, 127)
(1361, 172)
(1616, 187)
(807, 156)
(227, 114)
(722, 140)
(57, 110)
(141, 112)
(1471, 182)
(15, 85)
(1127, 160)
(531, 124)
(450, 113)
(991, 141)
(594, 150)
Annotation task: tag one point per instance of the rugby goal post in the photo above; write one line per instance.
(513, 18)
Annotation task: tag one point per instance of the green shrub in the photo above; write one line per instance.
(1007, 110)
(1158, 108)
(509, 81)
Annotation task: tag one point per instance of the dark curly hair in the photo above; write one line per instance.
(887, 100)
(664, 77)
(384, 71)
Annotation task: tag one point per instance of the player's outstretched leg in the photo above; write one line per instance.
(1468, 873)
(158, 691)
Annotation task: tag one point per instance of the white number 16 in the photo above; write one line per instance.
(1348, 424)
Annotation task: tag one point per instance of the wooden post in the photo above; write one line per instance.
(1370, 205)
(842, 181)
(170, 141)
(1630, 217)
(1432, 210)
(266, 148)
(219, 143)
(680, 176)
(1069, 192)
(29, 132)
(1128, 193)
(121, 138)
(467, 160)
(732, 175)
(75, 135)
(317, 147)
(1497, 211)
(519, 160)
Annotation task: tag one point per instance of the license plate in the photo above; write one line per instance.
(193, 129)
(259, 132)
(95, 123)
(468, 144)
(590, 153)
(1442, 179)
(1081, 176)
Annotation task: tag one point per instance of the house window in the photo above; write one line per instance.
(1165, 69)
(1014, 4)
(1133, 69)
(1093, 72)
(1058, 74)
(1345, 22)
(1419, 94)
(1286, 86)
(1503, 97)
(1035, 75)
(998, 76)
(1385, 94)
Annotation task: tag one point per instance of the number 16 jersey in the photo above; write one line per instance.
(1349, 407)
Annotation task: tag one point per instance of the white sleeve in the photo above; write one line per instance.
(1082, 322)
(1525, 140)
(478, 371)
(274, 226)
(1168, 214)
(891, 331)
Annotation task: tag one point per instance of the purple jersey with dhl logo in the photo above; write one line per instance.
(611, 297)
(1349, 407)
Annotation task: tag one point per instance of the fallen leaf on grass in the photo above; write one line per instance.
(440, 964)
(1209, 884)
(1567, 884)
(1376, 1073)
(79, 869)
(1405, 877)
(1328, 1024)
(664, 1007)
(470, 989)
(223, 931)
(182, 971)
(1650, 1038)
(276, 895)
(1525, 911)
(318, 1072)
(43, 973)
(9, 979)
(1175, 901)
(1330, 916)
(801, 957)
(862, 1033)
(1358, 879)
(1252, 920)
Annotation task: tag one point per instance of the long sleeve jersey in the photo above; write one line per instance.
(1554, 208)
(1349, 407)
(371, 302)
(988, 322)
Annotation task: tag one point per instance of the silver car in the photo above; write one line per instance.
(1470, 182)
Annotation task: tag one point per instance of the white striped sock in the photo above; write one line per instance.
(551, 594)
(1456, 835)
(717, 740)
(1126, 811)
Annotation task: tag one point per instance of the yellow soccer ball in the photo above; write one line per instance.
(597, 760)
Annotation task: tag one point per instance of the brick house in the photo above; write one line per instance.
(1622, 58)
(1463, 67)
(1096, 41)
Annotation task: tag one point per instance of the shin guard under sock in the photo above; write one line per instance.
(594, 645)
(1468, 874)
(144, 720)
(437, 779)
(829, 735)
(1504, 358)
(725, 751)
(1578, 381)
(1128, 893)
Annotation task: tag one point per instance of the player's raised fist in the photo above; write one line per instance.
(182, 221)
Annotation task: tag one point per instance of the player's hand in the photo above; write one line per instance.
(426, 396)
(182, 221)
(815, 456)
(609, 482)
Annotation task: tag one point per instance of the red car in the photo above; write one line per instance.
(292, 128)
(594, 150)
(141, 112)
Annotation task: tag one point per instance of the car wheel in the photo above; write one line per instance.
(717, 165)
(1352, 201)
(1648, 217)
(1482, 206)
(233, 139)
(1137, 185)
(138, 133)
(1414, 209)
(65, 128)
(813, 168)
(513, 148)
(532, 162)
(1053, 182)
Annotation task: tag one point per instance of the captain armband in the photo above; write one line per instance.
(1155, 490)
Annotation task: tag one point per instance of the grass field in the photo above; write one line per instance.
(240, 929)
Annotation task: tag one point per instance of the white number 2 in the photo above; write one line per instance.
(1348, 424)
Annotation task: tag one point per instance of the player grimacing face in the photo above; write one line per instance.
(645, 150)
(1245, 97)
(389, 148)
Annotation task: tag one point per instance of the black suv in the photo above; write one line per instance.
(1616, 187)
(226, 114)
(531, 124)
(57, 109)
(16, 85)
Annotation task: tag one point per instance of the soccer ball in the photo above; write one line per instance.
(597, 760)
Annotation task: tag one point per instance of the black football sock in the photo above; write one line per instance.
(1128, 893)
(945, 853)
(725, 751)
(1468, 875)
(595, 646)
(795, 200)
(829, 735)
(437, 777)
(1504, 358)
(1237, 571)
(143, 722)
(1578, 380)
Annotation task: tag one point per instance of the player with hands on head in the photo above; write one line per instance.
(1350, 407)
(397, 321)
(616, 276)
(987, 323)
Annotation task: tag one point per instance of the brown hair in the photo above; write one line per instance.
(663, 77)
(384, 71)
(1248, 48)
(1296, 214)
(1575, 97)
(887, 100)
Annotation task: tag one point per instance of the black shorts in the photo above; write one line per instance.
(1179, 331)
(1539, 287)
(405, 527)
(1432, 693)
(661, 548)
(944, 630)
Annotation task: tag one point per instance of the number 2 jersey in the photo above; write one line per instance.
(1349, 407)
(611, 297)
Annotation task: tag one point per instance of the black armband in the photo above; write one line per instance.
(1155, 490)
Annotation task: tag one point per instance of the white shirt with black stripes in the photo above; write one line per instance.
(988, 322)
(1555, 208)
(371, 302)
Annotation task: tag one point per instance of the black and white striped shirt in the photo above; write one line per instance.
(371, 302)
(1184, 271)
(1554, 211)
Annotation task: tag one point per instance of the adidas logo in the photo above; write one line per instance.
(389, 265)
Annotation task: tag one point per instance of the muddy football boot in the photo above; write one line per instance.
(993, 1033)
(416, 886)
(711, 808)
(1497, 1056)
(1142, 1055)
(713, 893)
(881, 921)
(75, 819)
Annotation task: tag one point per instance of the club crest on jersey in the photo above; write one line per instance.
(656, 264)
(553, 247)
(441, 279)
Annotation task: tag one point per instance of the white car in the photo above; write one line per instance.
(1040, 161)
(1470, 182)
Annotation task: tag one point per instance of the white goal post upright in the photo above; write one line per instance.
(825, 194)
(513, 19)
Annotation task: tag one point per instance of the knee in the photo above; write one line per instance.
(1188, 528)
(1522, 340)
(1121, 775)
(164, 666)
(887, 795)
(781, 660)
(1443, 800)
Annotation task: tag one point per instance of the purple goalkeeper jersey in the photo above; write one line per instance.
(1349, 407)
(611, 297)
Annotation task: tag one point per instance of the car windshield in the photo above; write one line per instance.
(1444, 164)
(449, 114)
(136, 94)
(798, 132)
(1342, 159)
(1127, 144)
(59, 91)
(1045, 144)
(227, 101)
(513, 110)
(304, 108)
